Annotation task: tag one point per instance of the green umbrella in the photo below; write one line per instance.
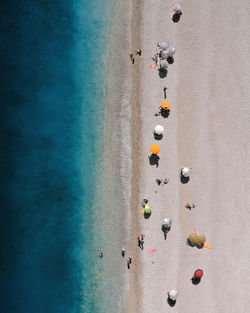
(148, 208)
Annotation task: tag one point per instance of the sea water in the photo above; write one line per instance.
(54, 59)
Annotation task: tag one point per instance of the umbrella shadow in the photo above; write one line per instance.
(154, 160)
(158, 137)
(170, 60)
(183, 179)
(165, 231)
(176, 18)
(190, 244)
(165, 113)
(195, 281)
(163, 72)
(171, 302)
(147, 215)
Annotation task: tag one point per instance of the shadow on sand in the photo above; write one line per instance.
(171, 302)
(170, 60)
(176, 18)
(163, 73)
(195, 281)
(165, 113)
(158, 137)
(190, 244)
(147, 215)
(183, 179)
(165, 231)
(154, 159)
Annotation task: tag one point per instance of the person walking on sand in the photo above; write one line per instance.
(139, 241)
(129, 261)
(123, 252)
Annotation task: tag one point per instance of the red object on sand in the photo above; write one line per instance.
(152, 250)
(198, 273)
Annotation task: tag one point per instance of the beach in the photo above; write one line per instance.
(207, 130)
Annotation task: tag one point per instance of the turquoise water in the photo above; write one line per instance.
(54, 64)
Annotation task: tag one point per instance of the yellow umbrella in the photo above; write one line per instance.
(166, 105)
(155, 149)
(192, 238)
(201, 239)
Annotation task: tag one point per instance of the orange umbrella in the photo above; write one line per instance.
(166, 105)
(155, 149)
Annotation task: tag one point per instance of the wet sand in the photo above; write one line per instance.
(208, 130)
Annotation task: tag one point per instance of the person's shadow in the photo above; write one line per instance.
(154, 160)
(163, 72)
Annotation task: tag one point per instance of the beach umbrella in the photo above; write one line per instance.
(192, 238)
(173, 294)
(155, 149)
(201, 239)
(163, 54)
(185, 172)
(163, 45)
(198, 274)
(170, 52)
(159, 129)
(148, 208)
(166, 105)
(167, 223)
(164, 64)
(176, 8)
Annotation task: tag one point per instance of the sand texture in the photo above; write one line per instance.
(208, 129)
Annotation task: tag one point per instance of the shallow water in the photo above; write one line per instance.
(54, 65)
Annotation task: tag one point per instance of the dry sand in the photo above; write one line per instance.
(208, 129)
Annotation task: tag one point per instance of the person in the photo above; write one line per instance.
(130, 259)
(100, 254)
(188, 206)
(123, 252)
(128, 264)
(139, 52)
(139, 241)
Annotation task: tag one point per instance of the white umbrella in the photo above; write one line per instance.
(163, 54)
(164, 64)
(170, 52)
(176, 8)
(173, 294)
(167, 222)
(185, 172)
(163, 45)
(159, 129)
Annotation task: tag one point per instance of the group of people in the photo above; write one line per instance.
(137, 52)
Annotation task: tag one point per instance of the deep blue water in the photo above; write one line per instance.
(52, 97)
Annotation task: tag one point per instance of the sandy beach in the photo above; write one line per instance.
(207, 130)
